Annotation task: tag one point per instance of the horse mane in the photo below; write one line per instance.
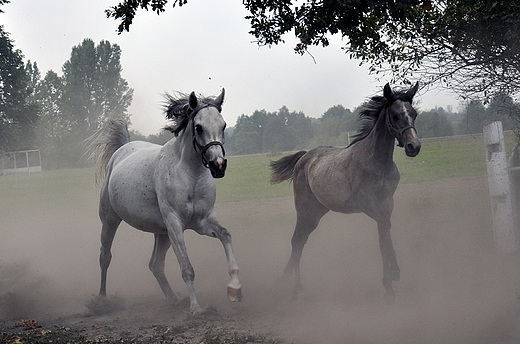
(177, 109)
(372, 109)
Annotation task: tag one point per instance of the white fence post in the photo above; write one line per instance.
(499, 188)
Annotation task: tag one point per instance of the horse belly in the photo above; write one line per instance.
(339, 204)
(332, 191)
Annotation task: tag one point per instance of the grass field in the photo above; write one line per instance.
(247, 177)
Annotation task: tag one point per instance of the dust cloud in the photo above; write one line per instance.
(454, 288)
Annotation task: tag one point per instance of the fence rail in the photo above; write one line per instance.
(28, 161)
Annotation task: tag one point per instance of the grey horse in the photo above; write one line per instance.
(166, 189)
(359, 178)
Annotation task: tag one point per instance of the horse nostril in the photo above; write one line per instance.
(412, 149)
(220, 164)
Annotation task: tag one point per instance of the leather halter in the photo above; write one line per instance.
(197, 146)
(397, 132)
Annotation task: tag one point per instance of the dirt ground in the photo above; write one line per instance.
(455, 287)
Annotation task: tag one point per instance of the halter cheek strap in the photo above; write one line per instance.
(202, 149)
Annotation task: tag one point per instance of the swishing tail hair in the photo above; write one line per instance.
(105, 142)
(283, 169)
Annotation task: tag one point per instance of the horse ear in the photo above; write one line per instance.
(411, 92)
(193, 102)
(220, 99)
(387, 92)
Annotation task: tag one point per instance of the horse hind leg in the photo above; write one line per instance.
(306, 223)
(156, 265)
(108, 231)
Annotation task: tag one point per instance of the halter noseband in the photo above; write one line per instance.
(200, 148)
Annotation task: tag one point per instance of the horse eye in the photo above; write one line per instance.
(198, 128)
(395, 118)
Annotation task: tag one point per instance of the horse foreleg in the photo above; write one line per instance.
(176, 235)
(391, 271)
(210, 226)
(234, 289)
(156, 265)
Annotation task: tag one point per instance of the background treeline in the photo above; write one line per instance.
(286, 130)
(57, 112)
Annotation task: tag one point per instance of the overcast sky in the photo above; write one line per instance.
(202, 47)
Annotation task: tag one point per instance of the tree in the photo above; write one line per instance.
(74, 105)
(335, 125)
(471, 47)
(500, 108)
(300, 127)
(433, 124)
(48, 94)
(3, 2)
(93, 89)
(474, 118)
(249, 132)
(18, 111)
(264, 132)
(503, 108)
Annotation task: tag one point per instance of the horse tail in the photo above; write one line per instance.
(102, 145)
(283, 168)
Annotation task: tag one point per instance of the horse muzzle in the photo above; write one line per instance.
(408, 139)
(412, 148)
(217, 167)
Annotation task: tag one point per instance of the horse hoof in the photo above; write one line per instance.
(196, 311)
(179, 301)
(100, 305)
(234, 294)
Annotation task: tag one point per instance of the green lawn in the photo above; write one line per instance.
(447, 158)
(247, 177)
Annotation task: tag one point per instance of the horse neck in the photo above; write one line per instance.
(380, 141)
(183, 149)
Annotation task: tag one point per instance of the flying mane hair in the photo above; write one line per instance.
(177, 109)
(371, 110)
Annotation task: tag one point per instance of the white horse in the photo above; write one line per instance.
(166, 189)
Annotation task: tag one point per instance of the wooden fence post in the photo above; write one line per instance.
(499, 188)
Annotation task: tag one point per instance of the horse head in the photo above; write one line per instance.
(401, 118)
(208, 133)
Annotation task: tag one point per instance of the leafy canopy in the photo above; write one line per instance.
(469, 46)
